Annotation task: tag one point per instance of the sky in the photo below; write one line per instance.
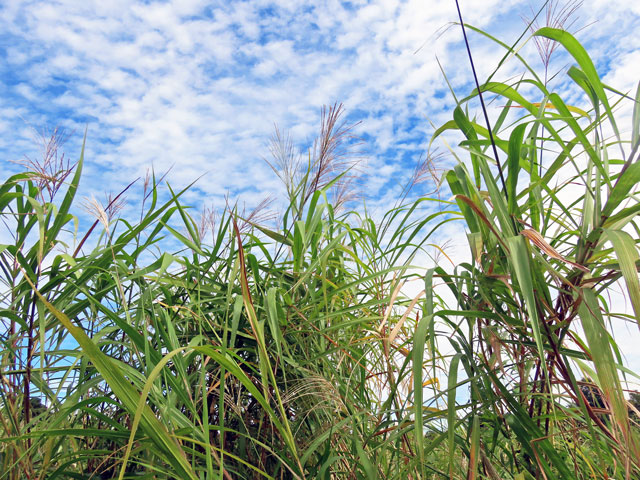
(198, 86)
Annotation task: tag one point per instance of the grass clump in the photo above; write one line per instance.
(294, 352)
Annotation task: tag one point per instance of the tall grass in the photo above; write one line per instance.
(294, 352)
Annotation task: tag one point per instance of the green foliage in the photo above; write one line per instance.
(295, 352)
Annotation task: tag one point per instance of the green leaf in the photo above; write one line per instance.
(600, 347)
(516, 140)
(272, 317)
(126, 393)
(581, 56)
(419, 338)
(451, 407)
(626, 182)
(628, 258)
(520, 260)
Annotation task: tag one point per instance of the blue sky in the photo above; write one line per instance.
(199, 85)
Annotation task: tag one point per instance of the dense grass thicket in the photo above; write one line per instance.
(294, 352)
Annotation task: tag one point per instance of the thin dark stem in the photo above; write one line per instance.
(484, 108)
